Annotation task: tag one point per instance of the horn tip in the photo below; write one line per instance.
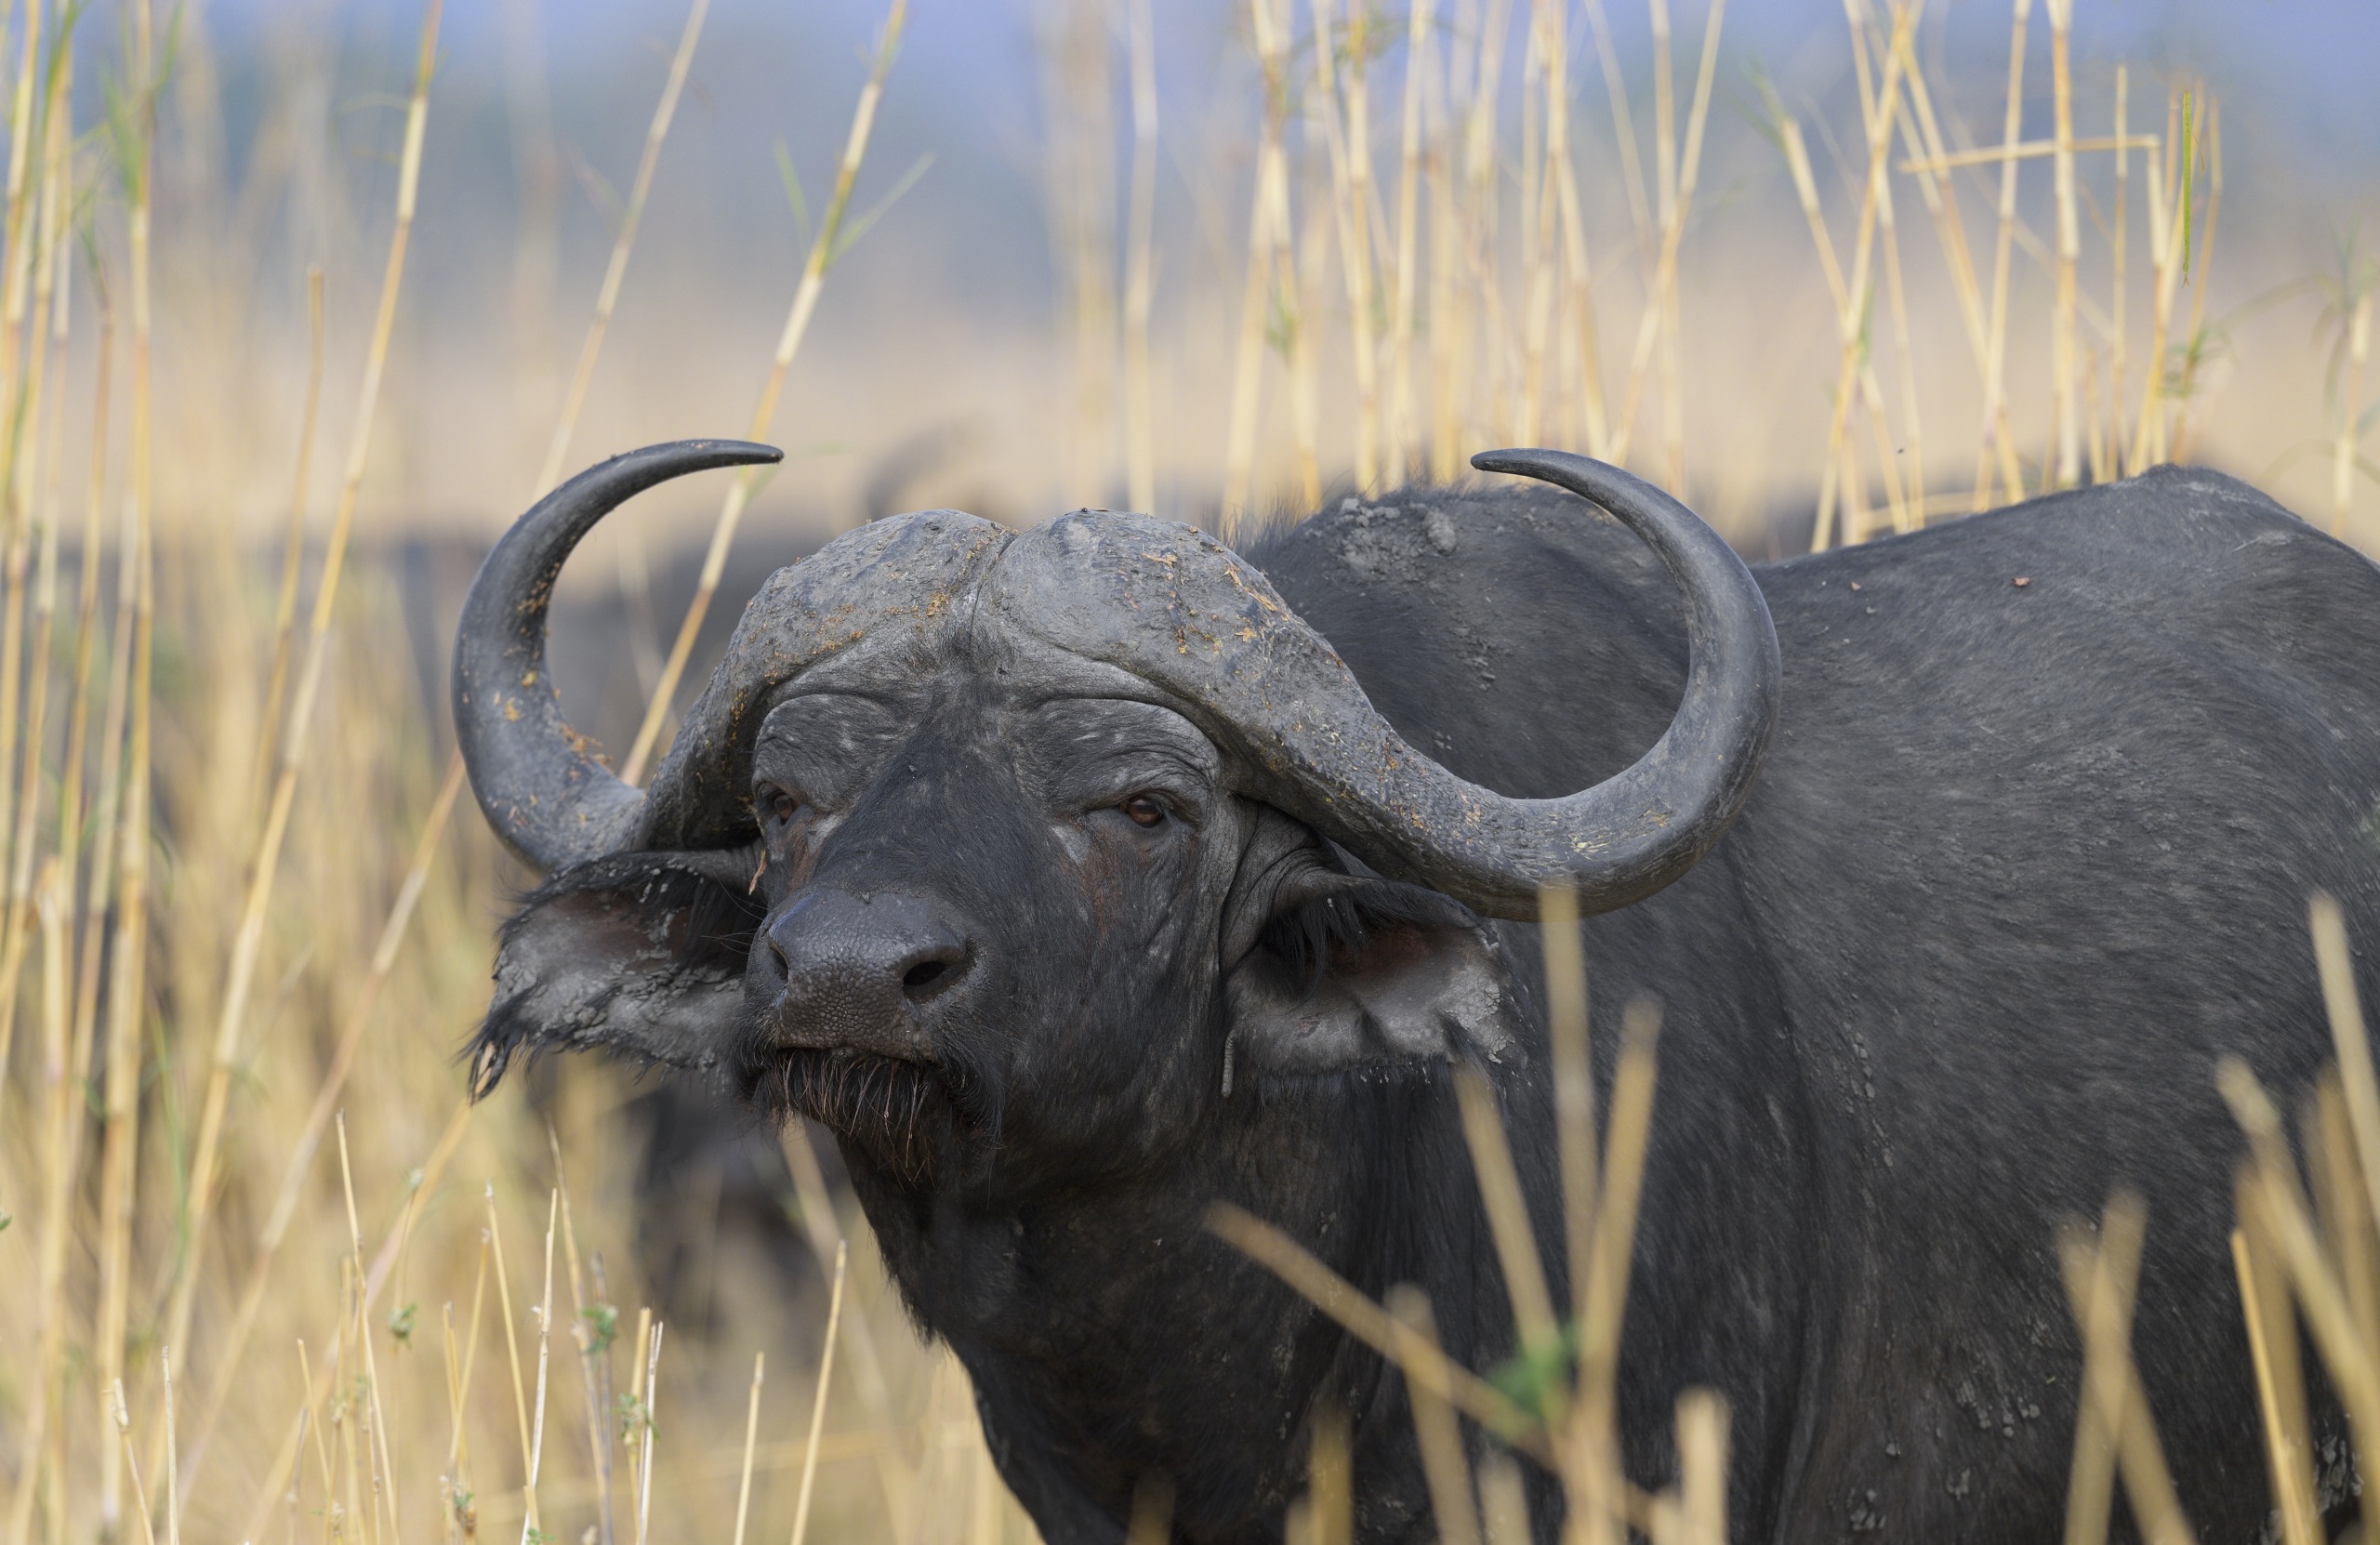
(1512, 459)
(744, 452)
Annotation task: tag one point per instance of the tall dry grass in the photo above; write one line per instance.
(265, 1273)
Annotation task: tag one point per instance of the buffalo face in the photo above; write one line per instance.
(1019, 926)
(992, 909)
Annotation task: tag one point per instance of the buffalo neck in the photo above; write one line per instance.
(1113, 1338)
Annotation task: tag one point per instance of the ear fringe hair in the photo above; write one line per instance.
(709, 921)
(1305, 935)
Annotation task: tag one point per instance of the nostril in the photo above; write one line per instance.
(934, 969)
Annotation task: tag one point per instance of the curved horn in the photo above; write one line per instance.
(548, 797)
(1176, 608)
(1634, 833)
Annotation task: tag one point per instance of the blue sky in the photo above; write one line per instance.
(2311, 68)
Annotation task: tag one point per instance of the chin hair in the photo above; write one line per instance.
(897, 1116)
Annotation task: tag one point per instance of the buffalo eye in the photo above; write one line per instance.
(1145, 809)
(780, 805)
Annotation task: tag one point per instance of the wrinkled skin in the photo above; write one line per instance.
(998, 1166)
(2025, 864)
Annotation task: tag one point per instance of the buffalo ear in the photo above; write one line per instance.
(1352, 971)
(640, 955)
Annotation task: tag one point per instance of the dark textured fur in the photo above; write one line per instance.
(2025, 863)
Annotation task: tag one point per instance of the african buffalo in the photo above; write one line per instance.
(1079, 877)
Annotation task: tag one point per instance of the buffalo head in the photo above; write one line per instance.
(1004, 854)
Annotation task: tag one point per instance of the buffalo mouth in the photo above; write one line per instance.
(893, 1114)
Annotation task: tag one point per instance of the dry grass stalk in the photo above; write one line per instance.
(823, 252)
(20, 253)
(2169, 229)
(647, 1403)
(520, 1384)
(172, 1497)
(229, 1363)
(1421, 19)
(2157, 186)
(1444, 1465)
(628, 1416)
(462, 1514)
(2282, 1211)
(1702, 1467)
(1077, 48)
(1534, 190)
(545, 1312)
(1583, 338)
(369, 1285)
(1624, 1146)
(1561, 291)
(818, 1402)
(1478, 321)
(62, 1151)
(451, 1490)
(20, 786)
(2108, 1267)
(2342, 1208)
(1665, 172)
(1879, 109)
(2032, 149)
(1922, 137)
(1140, 264)
(2100, 1280)
(376, 1451)
(2347, 1126)
(1996, 441)
(1508, 1218)
(1296, 263)
(1674, 210)
(1908, 490)
(1574, 1088)
(2120, 272)
(2280, 1390)
(293, 550)
(2196, 345)
(751, 1437)
(1592, 1474)
(2064, 366)
(100, 880)
(266, 862)
(592, 1325)
(121, 1419)
(298, 1434)
(1260, 290)
(2359, 1085)
(815, 1218)
(119, 1154)
(1348, 141)
(607, 298)
(1152, 1518)
(1623, 135)
(1330, 1464)
(1448, 255)
(2343, 450)
(72, 764)
(1303, 261)
(1504, 1502)
(1372, 1324)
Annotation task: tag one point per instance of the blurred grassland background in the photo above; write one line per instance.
(1119, 253)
